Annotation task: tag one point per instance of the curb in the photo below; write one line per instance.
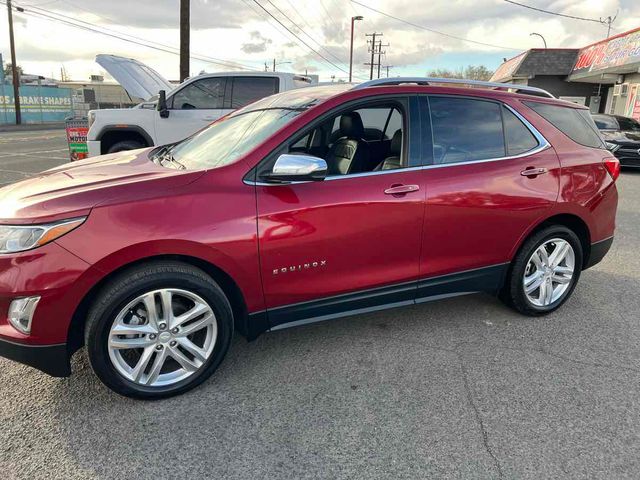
(31, 127)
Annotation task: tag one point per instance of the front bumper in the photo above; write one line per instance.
(94, 148)
(51, 359)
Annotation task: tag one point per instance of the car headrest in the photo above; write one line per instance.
(396, 144)
(351, 125)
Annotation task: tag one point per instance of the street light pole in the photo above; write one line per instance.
(14, 70)
(353, 19)
(543, 40)
(185, 30)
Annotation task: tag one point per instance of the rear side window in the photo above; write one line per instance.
(574, 123)
(249, 89)
(466, 130)
(518, 137)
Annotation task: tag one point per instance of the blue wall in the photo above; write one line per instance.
(38, 104)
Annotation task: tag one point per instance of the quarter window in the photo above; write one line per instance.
(574, 123)
(466, 130)
(206, 93)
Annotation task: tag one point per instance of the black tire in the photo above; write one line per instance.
(513, 293)
(125, 145)
(128, 285)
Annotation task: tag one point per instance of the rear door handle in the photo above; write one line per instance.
(401, 189)
(210, 118)
(533, 172)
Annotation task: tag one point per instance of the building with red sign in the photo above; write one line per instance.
(604, 76)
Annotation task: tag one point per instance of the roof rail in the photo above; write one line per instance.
(458, 81)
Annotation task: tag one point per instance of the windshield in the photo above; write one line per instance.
(604, 122)
(231, 137)
(226, 140)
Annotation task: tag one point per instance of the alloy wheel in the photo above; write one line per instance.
(549, 272)
(162, 337)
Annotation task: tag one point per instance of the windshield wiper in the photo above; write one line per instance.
(163, 156)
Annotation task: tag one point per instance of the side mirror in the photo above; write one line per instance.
(297, 168)
(162, 104)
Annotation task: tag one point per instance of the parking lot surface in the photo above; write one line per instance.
(461, 388)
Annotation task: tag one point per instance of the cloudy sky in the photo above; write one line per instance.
(226, 33)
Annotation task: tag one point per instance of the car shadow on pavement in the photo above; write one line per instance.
(461, 387)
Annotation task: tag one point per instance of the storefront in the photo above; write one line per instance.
(615, 64)
(604, 76)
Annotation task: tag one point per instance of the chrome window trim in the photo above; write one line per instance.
(543, 144)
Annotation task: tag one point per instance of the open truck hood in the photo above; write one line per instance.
(138, 79)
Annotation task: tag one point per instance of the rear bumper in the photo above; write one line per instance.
(598, 252)
(50, 359)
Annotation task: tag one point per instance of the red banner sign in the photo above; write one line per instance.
(613, 52)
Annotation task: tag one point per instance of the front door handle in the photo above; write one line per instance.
(401, 189)
(533, 172)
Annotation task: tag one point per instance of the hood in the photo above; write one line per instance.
(138, 79)
(622, 137)
(73, 189)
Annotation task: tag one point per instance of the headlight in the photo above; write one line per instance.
(612, 147)
(91, 117)
(17, 238)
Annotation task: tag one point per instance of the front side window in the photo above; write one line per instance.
(206, 93)
(466, 130)
(249, 89)
(628, 124)
(361, 140)
(575, 123)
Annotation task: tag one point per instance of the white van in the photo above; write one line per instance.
(170, 113)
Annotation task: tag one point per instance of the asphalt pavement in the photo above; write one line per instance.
(461, 388)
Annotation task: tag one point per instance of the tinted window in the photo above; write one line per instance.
(518, 137)
(465, 130)
(249, 89)
(574, 123)
(604, 122)
(207, 93)
(627, 124)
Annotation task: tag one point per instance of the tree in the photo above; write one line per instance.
(471, 72)
(8, 70)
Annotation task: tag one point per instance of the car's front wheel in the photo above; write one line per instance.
(158, 330)
(544, 272)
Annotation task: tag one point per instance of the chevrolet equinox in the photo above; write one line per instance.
(304, 206)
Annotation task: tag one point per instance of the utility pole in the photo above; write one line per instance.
(380, 53)
(14, 64)
(372, 50)
(388, 67)
(608, 21)
(274, 64)
(185, 28)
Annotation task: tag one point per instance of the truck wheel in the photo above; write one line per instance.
(125, 145)
(158, 330)
(544, 272)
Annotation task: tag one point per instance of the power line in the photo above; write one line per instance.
(302, 31)
(421, 27)
(554, 13)
(84, 25)
(297, 37)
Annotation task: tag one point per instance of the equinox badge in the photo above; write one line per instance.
(299, 268)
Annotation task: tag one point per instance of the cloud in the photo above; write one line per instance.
(258, 43)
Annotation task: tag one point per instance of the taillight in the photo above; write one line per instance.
(612, 164)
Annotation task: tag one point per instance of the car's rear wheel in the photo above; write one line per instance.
(158, 330)
(544, 272)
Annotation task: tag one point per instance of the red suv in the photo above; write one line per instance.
(305, 206)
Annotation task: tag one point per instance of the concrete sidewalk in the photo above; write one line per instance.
(31, 127)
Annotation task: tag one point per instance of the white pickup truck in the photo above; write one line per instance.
(169, 113)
